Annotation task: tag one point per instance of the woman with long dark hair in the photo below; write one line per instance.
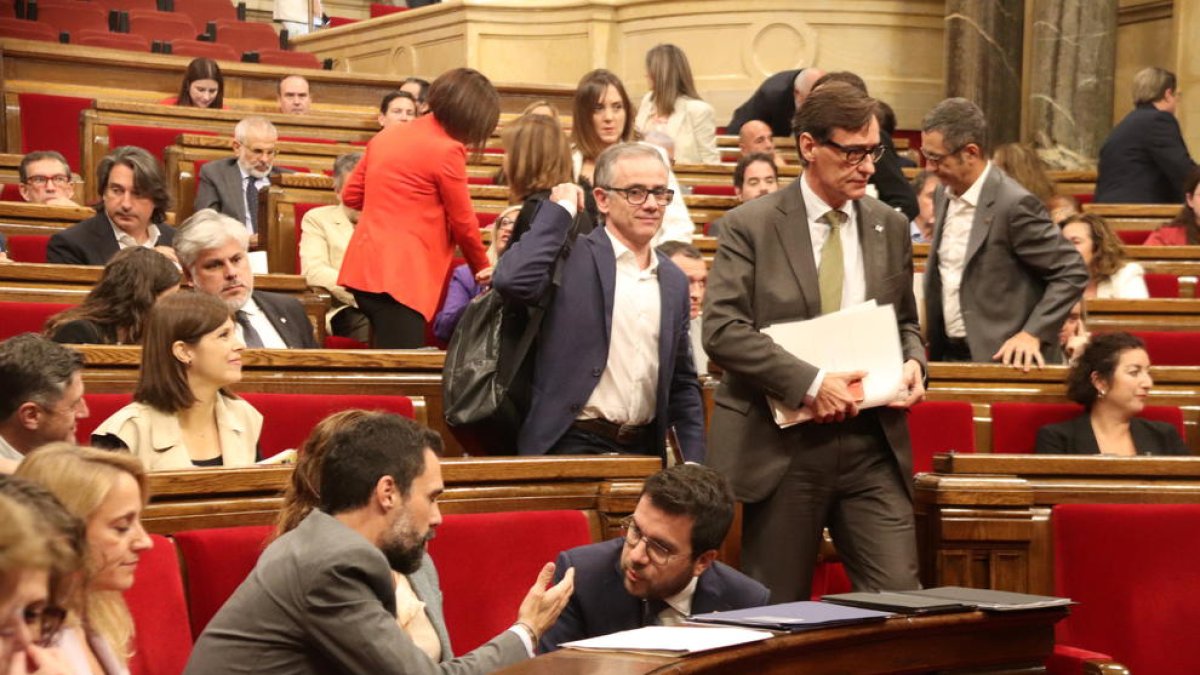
(202, 86)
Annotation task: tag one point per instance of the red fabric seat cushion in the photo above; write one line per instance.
(152, 139)
(829, 578)
(288, 418)
(12, 27)
(940, 427)
(1132, 569)
(43, 121)
(162, 639)
(100, 408)
(488, 561)
(27, 317)
(715, 190)
(378, 9)
(339, 342)
(11, 192)
(1133, 237)
(217, 561)
(28, 248)
(486, 219)
(1015, 425)
(1162, 286)
(1171, 348)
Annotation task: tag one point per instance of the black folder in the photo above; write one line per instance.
(900, 603)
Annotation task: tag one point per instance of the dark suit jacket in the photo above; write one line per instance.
(287, 315)
(221, 187)
(773, 103)
(1076, 437)
(573, 342)
(1144, 160)
(764, 273)
(91, 242)
(321, 600)
(1020, 273)
(601, 605)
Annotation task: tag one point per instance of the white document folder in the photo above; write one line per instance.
(862, 337)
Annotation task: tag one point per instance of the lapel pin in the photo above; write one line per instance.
(283, 319)
(879, 228)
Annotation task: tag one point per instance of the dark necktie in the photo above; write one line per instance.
(252, 203)
(249, 335)
(650, 611)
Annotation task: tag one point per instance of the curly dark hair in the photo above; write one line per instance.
(1100, 358)
(1108, 255)
(120, 302)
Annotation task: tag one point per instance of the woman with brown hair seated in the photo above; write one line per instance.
(1022, 164)
(418, 600)
(1111, 380)
(115, 310)
(182, 415)
(1185, 229)
(1110, 275)
(202, 86)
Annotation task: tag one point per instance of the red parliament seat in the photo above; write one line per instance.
(1171, 348)
(130, 5)
(100, 408)
(1015, 425)
(379, 9)
(27, 317)
(208, 50)
(940, 427)
(217, 561)
(21, 29)
(43, 118)
(1162, 285)
(11, 192)
(126, 41)
(1132, 569)
(203, 11)
(28, 248)
(288, 418)
(76, 17)
(247, 37)
(1133, 237)
(715, 190)
(153, 139)
(162, 25)
(512, 547)
(162, 640)
(279, 57)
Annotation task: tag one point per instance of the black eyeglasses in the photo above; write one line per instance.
(855, 154)
(935, 159)
(658, 553)
(637, 195)
(60, 180)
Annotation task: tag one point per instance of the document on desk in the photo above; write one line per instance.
(669, 640)
(862, 337)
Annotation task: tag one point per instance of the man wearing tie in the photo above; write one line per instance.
(231, 185)
(213, 250)
(663, 569)
(816, 246)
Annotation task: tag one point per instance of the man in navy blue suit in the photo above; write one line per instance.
(614, 370)
(663, 569)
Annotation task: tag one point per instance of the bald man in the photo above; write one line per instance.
(756, 137)
(776, 100)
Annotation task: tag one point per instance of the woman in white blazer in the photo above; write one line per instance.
(1111, 276)
(673, 107)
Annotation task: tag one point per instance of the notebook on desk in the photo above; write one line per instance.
(793, 616)
(900, 603)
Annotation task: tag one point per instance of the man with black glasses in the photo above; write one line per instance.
(613, 370)
(46, 179)
(663, 569)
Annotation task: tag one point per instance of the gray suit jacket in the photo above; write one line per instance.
(221, 187)
(764, 273)
(1020, 273)
(321, 600)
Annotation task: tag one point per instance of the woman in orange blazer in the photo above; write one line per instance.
(411, 187)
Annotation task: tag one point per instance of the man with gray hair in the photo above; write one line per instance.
(213, 250)
(324, 234)
(1145, 160)
(1001, 278)
(231, 185)
(613, 370)
(41, 396)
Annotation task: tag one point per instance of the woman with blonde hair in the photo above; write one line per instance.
(1110, 276)
(183, 415)
(673, 107)
(107, 491)
(25, 562)
(1022, 164)
(418, 602)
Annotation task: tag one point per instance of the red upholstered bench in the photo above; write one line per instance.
(217, 561)
(162, 639)
(28, 248)
(1132, 569)
(27, 317)
(488, 561)
(715, 190)
(11, 192)
(152, 139)
(486, 219)
(939, 427)
(100, 408)
(43, 119)
(378, 9)
(1162, 286)
(1015, 425)
(1133, 237)
(1170, 348)
(288, 418)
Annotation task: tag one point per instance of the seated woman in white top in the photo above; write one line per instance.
(1111, 276)
(182, 415)
(673, 107)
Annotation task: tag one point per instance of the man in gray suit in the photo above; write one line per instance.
(231, 185)
(816, 246)
(1001, 278)
(321, 598)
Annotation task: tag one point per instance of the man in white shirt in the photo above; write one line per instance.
(613, 371)
(232, 185)
(41, 396)
(663, 569)
(1001, 278)
(213, 250)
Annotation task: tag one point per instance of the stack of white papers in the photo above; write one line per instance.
(670, 640)
(862, 337)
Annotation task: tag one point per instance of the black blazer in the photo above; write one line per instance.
(1075, 437)
(773, 103)
(1144, 160)
(287, 315)
(91, 242)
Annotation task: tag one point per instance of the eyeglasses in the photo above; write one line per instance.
(637, 196)
(60, 180)
(935, 159)
(855, 154)
(656, 551)
(505, 222)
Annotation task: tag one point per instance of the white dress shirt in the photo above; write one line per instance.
(952, 251)
(7, 451)
(271, 338)
(126, 240)
(626, 391)
(679, 606)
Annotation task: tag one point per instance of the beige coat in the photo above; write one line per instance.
(324, 234)
(692, 126)
(156, 438)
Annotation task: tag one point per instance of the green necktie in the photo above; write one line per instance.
(829, 275)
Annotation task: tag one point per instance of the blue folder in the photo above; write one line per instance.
(793, 616)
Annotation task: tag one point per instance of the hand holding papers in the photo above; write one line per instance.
(670, 640)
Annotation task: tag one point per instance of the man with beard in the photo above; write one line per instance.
(321, 598)
(213, 251)
(231, 185)
(664, 568)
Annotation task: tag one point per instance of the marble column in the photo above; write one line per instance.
(984, 40)
(1073, 54)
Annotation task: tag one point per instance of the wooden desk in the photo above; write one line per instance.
(950, 643)
(985, 520)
